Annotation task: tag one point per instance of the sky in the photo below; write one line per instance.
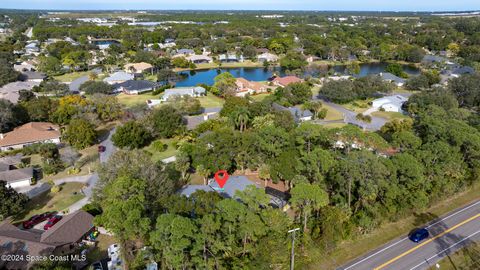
(350, 5)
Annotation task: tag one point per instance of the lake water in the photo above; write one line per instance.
(192, 78)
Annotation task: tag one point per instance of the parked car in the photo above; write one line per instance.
(52, 221)
(113, 250)
(34, 220)
(101, 148)
(418, 235)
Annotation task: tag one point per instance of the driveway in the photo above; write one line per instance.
(350, 117)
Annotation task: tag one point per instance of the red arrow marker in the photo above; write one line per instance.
(221, 177)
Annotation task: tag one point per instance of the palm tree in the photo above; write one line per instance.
(203, 172)
(241, 119)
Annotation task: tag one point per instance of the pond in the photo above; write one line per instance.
(192, 78)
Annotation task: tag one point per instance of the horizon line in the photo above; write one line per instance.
(273, 10)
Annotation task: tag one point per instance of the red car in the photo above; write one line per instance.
(101, 148)
(52, 221)
(34, 220)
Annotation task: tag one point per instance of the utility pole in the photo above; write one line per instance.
(292, 258)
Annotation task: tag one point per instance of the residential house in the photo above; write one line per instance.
(389, 103)
(11, 91)
(230, 58)
(138, 67)
(30, 133)
(267, 57)
(262, 50)
(434, 59)
(16, 177)
(245, 86)
(33, 76)
(65, 238)
(185, 52)
(24, 66)
(135, 87)
(234, 184)
(312, 58)
(32, 48)
(285, 81)
(299, 115)
(207, 114)
(389, 77)
(199, 59)
(182, 91)
(119, 77)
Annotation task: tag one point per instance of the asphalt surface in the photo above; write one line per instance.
(447, 235)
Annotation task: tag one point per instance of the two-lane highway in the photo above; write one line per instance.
(447, 234)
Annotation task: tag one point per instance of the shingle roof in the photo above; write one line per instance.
(30, 133)
(138, 66)
(287, 80)
(69, 229)
(132, 85)
(33, 75)
(12, 176)
(234, 184)
(119, 76)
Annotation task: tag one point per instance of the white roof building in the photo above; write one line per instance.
(389, 103)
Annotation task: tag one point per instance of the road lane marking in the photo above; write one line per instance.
(426, 242)
(464, 239)
(398, 242)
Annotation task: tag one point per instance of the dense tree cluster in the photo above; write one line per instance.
(344, 91)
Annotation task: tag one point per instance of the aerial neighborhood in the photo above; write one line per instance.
(213, 140)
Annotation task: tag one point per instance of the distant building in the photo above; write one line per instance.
(185, 52)
(135, 87)
(182, 91)
(24, 66)
(199, 59)
(285, 81)
(230, 58)
(138, 67)
(389, 77)
(33, 132)
(267, 57)
(119, 77)
(16, 178)
(299, 115)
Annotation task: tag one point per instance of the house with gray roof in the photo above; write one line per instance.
(119, 77)
(389, 77)
(299, 115)
(11, 91)
(185, 52)
(229, 58)
(235, 183)
(32, 76)
(135, 87)
(16, 178)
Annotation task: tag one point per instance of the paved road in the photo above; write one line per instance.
(447, 234)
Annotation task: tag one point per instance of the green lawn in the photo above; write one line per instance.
(334, 125)
(259, 97)
(466, 258)
(351, 249)
(390, 115)
(169, 152)
(71, 76)
(53, 201)
(211, 101)
(332, 114)
(358, 106)
(132, 100)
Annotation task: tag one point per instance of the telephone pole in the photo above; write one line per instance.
(292, 258)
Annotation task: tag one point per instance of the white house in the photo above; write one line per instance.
(389, 103)
(181, 91)
(267, 57)
(119, 77)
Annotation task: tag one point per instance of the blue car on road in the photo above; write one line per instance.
(418, 235)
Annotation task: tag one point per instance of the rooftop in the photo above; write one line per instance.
(30, 133)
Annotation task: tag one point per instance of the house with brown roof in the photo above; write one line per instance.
(245, 86)
(285, 81)
(30, 133)
(62, 239)
(138, 67)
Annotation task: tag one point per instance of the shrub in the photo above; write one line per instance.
(159, 146)
(56, 189)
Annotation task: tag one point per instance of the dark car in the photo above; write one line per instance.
(34, 220)
(418, 235)
(52, 221)
(101, 148)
